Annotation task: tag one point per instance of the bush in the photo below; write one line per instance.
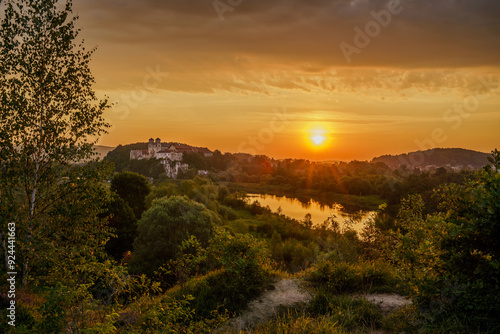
(234, 201)
(341, 278)
(133, 188)
(243, 272)
(227, 212)
(177, 315)
(164, 227)
(452, 257)
(164, 189)
(122, 220)
(245, 258)
(296, 256)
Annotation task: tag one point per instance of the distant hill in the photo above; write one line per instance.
(456, 158)
(102, 151)
(120, 155)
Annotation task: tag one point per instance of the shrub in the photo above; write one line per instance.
(133, 188)
(452, 257)
(340, 278)
(227, 212)
(177, 315)
(164, 189)
(243, 272)
(164, 227)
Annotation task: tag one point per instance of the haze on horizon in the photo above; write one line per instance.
(274, 77)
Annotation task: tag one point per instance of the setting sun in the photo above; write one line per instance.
(318, 136)
(318, 139)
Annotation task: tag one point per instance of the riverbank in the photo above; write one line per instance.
(351, 203)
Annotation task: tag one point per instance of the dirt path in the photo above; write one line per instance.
(388, 302)
(286, 293)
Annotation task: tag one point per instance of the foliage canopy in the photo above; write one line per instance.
(164, 227)
(50, 118)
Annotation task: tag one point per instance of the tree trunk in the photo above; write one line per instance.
(31, 216)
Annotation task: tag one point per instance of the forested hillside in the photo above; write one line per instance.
(437, 157)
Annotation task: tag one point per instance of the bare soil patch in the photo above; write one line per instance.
(286, 292)
(387, 302)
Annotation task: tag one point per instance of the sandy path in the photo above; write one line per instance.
(286, 293)
(388, 303)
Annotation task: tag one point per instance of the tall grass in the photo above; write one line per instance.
(362, 277)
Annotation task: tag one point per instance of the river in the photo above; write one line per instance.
(296, 209)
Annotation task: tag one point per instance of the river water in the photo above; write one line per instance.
(296, 209)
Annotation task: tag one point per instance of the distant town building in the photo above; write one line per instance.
(170, 155)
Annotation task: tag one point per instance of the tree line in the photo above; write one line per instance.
(359, 178)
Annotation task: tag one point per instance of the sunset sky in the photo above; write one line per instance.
(322, 80)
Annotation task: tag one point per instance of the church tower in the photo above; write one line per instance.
(157, 145)
(151, 147)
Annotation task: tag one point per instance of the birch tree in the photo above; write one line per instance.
(50, 118)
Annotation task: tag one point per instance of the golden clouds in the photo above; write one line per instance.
(270, 54)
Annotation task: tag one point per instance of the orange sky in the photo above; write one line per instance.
(373, 76)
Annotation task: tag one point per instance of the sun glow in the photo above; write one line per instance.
(318, 139)
(318, 136)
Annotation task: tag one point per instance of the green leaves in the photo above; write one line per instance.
(50, 118)
(165, 226)
(46, 80)
(459, 246)
(133, 189)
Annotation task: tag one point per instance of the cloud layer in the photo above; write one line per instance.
(407, 60)
(295, 44)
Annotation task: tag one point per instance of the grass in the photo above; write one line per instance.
(362, 277)
(198, 306)
(345, 315)
(303, 324)
(335, 308)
